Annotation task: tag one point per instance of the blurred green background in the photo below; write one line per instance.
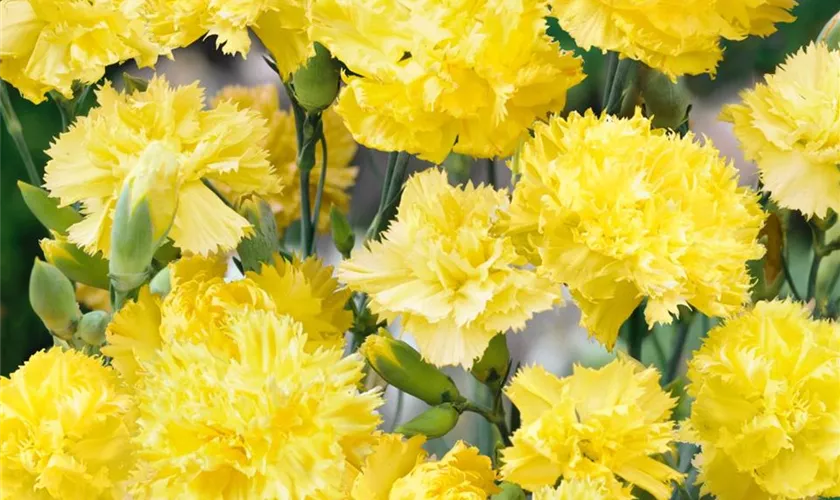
(21, 333)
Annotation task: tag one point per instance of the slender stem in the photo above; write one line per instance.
(638, 329)
(789, 279)
(16, 132)
(386, 182)
(494, 417)
(218, 193)
(394, 178)
(625, 69)
(660, 351)
(676, 356)
(491, 172)
(305, 216)
(319, 194)
(818, 244)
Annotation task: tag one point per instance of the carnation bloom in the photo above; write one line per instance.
(269, 419)
(66, 423)
(48, 44)
(162, 142)
(435, 77)
(399, 469)
(199, 306)
(790, 126)
(441, 266)
(583, 488)
(279, 24)
(675, 38)
(620, 213)
(282, 149)
(606, 424)
(766, 409)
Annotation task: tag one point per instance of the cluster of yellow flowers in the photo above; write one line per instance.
(198, 374)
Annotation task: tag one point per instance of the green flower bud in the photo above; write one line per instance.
(667, 102)
(492, 368)
(53, 299)
(401, 366)
(46, 209)
(509, 491)
(133, 243)
(432, 423)
(316, 82)
(134, 83)
(161, 284)
(91, 329)
(830, 34)
(75, 263)
(343, 235)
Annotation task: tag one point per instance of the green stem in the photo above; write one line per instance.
(16, 132)
(319, 194)
(789, 279)
(611, 61)
(676, 356)
(496, 418)
(818, 244)
(625, 70)
(394, 178)
(491, 172)
(305, 216)
(660, 351)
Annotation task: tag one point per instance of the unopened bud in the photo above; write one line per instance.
(53, 299)
(458, 167)
(92, 327)
(261, 246)
(134, 83)
(46, 209)
(75, 263)
(161, 284)
(316, 82)
(432, 423)
(492, 368)
(143, 216)
(401, 366)
(668, 102)
(830, 34)
(342, 233)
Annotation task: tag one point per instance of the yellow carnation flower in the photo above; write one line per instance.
(620, 213)
(790, 126)
(65, 428)
(441, 266)
(399, 469)
(270, 420)
(199, 307)
(163, 142)
(583, 488)
(48, 44)
(675, 38)
(282, 149)
(279, 24)
(766, 409)
(606, 424)
(436, 77)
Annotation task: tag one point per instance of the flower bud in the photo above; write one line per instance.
(667, 102)
(92, 327)
(161, 284)
(261, 246)
(458, 168)
(46, 209)
(492, 368)
(316, 82)
(401, 366)
(75, 263)
(830, 34)
(143, 216)
(343, 235)
(53, 299)
(432, 423)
